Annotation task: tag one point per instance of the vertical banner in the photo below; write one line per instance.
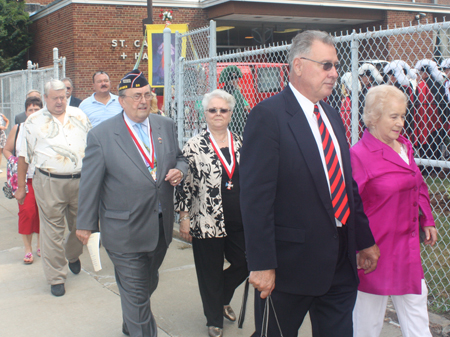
(155, 43)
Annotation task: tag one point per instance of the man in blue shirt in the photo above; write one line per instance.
(102, 105)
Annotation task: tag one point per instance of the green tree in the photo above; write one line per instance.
(15, 40)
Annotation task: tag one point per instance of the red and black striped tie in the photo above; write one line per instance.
(337, 185)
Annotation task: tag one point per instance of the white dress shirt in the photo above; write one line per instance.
(308, 109)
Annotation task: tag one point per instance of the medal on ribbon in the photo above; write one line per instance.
(229, 167)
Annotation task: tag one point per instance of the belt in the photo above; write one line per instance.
(61, 176)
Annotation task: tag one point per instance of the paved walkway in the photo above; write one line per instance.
(91, 305)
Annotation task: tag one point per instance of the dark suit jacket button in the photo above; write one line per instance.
(335, 236)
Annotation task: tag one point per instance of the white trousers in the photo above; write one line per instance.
(412, 312)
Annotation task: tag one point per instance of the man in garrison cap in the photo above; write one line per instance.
(131, 166)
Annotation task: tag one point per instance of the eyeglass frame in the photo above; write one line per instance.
(147, 96)
(326, 65)
(218, 110)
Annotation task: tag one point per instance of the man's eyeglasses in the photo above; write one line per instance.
(214, 110)
(148, 96)
(326, 65)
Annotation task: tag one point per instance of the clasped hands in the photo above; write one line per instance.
(174, 177)
(367, 259)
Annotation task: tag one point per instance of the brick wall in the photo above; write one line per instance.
(41, 2)
(84, 35)
(408, 47)
(412, 47)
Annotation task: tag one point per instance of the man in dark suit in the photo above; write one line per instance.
(20, 118)
(131, 166)
(71, 100)
(303, 217)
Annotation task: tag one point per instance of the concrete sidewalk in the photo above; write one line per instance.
(91, 305)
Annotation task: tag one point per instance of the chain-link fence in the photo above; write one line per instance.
(413, 58)
(14, 85)
(409, 58)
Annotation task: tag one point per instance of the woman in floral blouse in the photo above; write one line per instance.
(210, 215)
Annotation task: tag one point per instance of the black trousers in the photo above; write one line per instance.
(330, 314)
(137, 278)
(217, 285)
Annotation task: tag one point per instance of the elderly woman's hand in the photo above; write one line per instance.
(184, 230)
(430, 235)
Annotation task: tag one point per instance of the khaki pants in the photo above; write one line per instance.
(57, 200)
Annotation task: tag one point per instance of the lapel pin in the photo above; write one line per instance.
(160, 140)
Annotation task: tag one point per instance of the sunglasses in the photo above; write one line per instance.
(326, 65)
(214, 110)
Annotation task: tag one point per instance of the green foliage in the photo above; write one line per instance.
(15, 40)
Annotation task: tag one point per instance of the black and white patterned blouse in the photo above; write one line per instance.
(200, 192)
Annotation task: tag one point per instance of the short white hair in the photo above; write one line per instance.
(219, 93)
(54, 85)
(379, 99)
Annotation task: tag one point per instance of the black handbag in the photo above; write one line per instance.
(244, 304)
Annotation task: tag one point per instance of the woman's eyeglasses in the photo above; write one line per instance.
(214, 110)
(326, 65)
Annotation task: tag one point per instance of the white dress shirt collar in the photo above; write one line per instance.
(132, 123)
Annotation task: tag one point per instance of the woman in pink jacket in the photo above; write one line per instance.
(393, 194)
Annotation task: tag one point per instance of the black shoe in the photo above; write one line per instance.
(125, 329)
(75, 267)
(58, 289)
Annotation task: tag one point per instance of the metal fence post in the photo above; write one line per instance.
(63, 67)
(167, 61)
(29, 76)
(180, 102)
(355, 93)
(212, 55)
(174, 79)
(55, 64)
(42, 81)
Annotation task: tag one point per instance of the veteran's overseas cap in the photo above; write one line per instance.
(134, 79)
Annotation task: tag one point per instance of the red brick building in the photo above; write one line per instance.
(106, 34)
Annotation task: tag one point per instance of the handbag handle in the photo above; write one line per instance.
(244, 305)
(265, 320)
